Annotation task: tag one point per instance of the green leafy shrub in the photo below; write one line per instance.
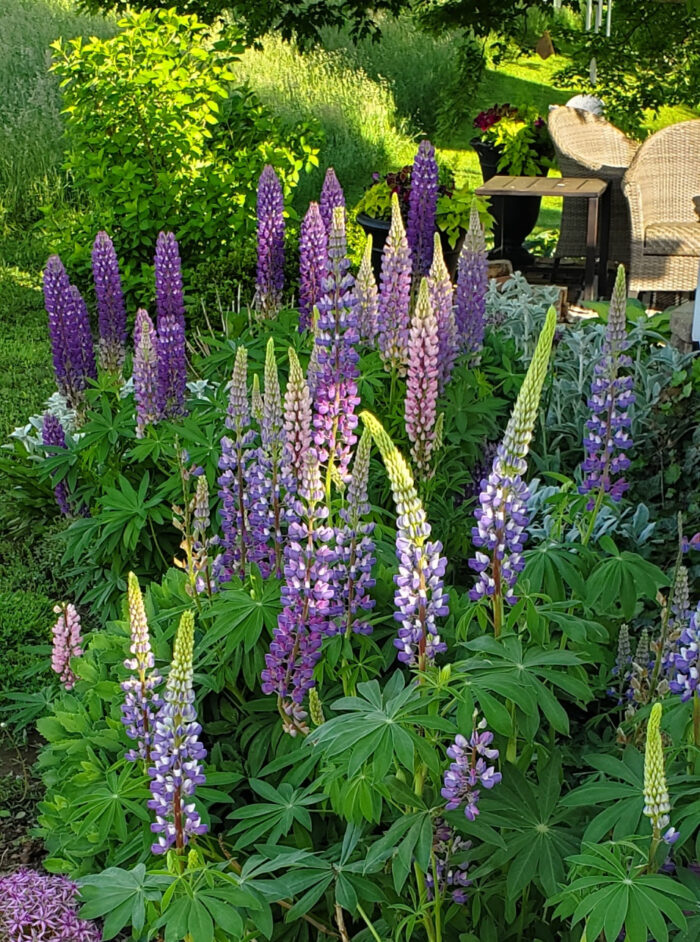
(25, 636)
(162, 136)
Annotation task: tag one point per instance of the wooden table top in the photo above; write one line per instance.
(588, 187)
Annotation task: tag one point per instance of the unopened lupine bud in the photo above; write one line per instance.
(395, 295)
(442, 303)
(472, 285)
(145, 373)
(420, 407)
(367, 297)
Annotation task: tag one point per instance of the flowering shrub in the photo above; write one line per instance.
(380, 682)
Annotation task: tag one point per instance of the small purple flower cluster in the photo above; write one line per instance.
(607, 440)
(40, 907)
(67, 643)
(422, 205)
(177, 753)
(53, 436)
(313, 263)
(687, 659)
(111, 312)
(472, 765)
(270, 278)
(335, 396)
(69, 330)
(452, 877)
(172, 359)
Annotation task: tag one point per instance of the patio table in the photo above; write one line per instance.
(593, 189)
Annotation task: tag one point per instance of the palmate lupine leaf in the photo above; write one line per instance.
(275, 817)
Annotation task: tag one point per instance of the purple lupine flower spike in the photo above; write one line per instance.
(607, 439)
(42, 907)
(332, 197)
(355, 546)
(84, 334)
(69, 330)
(395, 295)
(141, 701)
(172, 356)
(237, 452)
(270, 278)
(308, 605)
(687, 659)
(422, 205)
(67, 643)
(145, 372)
(420, 597)
(472, 765)
(335, 397)
(313, 263)
(297, 418)
(52, 435)
(177, 752)
(452, 877)
(110, 304)
(442, 303)
(472, 285)
(420, 407)
(367, 297)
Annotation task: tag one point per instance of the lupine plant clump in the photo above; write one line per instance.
(420, 689)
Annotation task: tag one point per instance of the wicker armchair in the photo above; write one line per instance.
(662, 187)
(588, 146)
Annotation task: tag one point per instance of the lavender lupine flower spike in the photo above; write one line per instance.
(395, 295)
(141, 702)
(420, 226)
(67, 643)
(52, 435)
(502, 517)
(177, 752)
(607, 439)
(69, 330)
(42, 907)
(367, 297)
(420, 596)
(84, 334)
(472, 285)
(270, 279)
(110, 304)
(442, 303)
(170, 305)
(332, 197)
(355, 547)
(307, 601)
(236, 455)
(420, 408)
(145, 372)
(313, 263)
(297, 418)
(452, 876)
(335, 397)
(687, 659)
(472, 765)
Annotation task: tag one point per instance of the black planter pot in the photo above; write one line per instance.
(514, 216)
(379, 230)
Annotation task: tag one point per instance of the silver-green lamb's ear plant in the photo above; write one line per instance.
(657, 803)
(502, 517)
(420, 596)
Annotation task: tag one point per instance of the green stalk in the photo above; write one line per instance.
(594, 516)
(375, 934)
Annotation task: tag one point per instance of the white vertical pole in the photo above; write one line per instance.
(598, 15)
(608, 23)
(589, 13)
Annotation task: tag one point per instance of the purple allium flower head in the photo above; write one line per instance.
(607, 439)
(472, 285)
(177, 752)
(422, 205)
(420, 407)
(67, 643)
(172, 357)
(297, 418)
(442, 303)
(41, 907)
(145, 372)
(395, 295)
(237, 452)
(336, 398)
(452, 876)
(687, 659)
(332, 197)
(472, 765)
(367, 297)
(502, 518)
(308, 605)
(313, 263)
(52, 435)
(141, 701)
(355, 547)
(69, 330)
(111, 312)
(270, 279)
(420, 596)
